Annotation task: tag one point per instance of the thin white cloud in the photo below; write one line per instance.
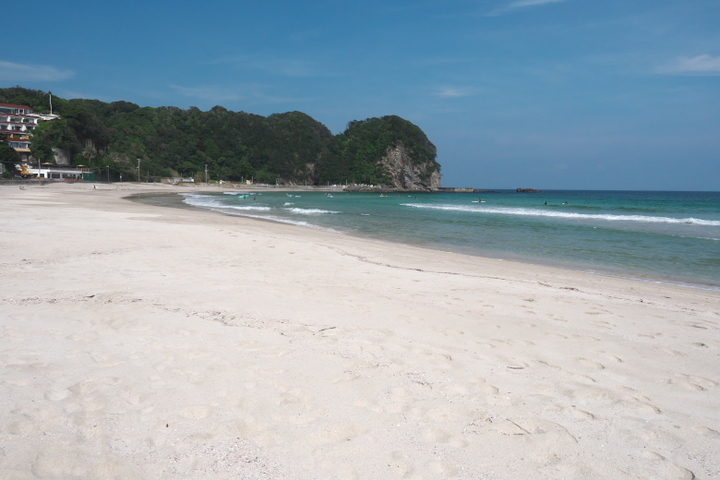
(700, 65)
(17, 72)
(530, 3)
(454, 92)
(518, 4)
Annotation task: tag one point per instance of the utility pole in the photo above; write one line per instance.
(108, 170)
(206, 177)
(50, 94)
(138, 170)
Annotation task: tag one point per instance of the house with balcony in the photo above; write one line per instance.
(17, 123)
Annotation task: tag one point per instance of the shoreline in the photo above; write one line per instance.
(140, 341)
(175, 201)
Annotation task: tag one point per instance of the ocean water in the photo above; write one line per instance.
(669, 237)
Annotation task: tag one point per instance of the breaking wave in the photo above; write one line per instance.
(530, 212)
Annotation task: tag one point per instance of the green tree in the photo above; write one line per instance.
(8, 155)
(287, 147)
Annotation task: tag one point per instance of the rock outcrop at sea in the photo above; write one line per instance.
(408, 175)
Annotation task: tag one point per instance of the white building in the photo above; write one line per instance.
(17, 123)
(59, 172)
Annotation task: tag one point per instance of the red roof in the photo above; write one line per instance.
(15, 106)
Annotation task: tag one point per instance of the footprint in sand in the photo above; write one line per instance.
(83, 388)
(22, 427)
(336, 434)
(657, 467)
(692, 382)
(473, 387)
(57, 462)
(581, 414)
(88, 336)
(435, 435)
(589, 363)
(195, 412)
(58, 394)
(706, 431)
(441, 469)
(610, 356)
(512, 363)
(449, 414)
(400, 464)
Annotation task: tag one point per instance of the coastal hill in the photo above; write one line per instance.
(286, 148)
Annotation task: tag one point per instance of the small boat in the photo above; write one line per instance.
(244, 195)
(383, 195)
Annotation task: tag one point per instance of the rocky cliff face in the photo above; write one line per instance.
(409, 175)
(62, 156)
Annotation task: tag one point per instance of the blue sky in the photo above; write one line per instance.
(552, 94)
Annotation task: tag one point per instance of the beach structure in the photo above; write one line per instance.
(63, 172)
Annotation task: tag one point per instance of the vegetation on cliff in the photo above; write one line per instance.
(8, 154)
(287, 148)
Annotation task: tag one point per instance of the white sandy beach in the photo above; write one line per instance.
(143, 342)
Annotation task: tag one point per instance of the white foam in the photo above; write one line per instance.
(529, 212)
(211, 202)
(251, 207)
(208, 201)
(199, 200)
(310, 211)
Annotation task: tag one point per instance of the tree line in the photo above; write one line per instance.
(285, 148)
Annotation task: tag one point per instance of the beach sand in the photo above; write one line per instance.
(149, 342)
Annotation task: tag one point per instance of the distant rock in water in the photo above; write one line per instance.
(528, 190)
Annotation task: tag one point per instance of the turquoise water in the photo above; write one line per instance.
(659, 236)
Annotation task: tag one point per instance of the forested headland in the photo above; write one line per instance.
(284, 148)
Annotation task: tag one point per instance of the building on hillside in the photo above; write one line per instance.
(17, 123)
(15, 109)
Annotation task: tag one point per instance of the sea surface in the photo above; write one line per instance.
(671, 237)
